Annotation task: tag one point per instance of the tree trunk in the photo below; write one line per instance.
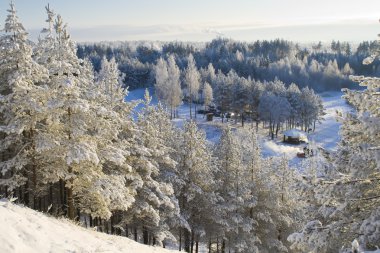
(26, 194)
(51, 198)
(145, 235)
(180, 239)
(196, 246)
(192, 242)
(187, 235)
(112, 224)
(62, 195)
(70, 203)
(135, 234)
(277, 129)
(224, 246)
(190, 105)
(100, 227)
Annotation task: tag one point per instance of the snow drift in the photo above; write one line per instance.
(27, 231)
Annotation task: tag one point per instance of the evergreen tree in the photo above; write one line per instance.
(192, 82)
(194, 166)
(22, 108)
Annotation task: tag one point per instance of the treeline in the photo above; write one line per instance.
(71, 147)
(320, 66)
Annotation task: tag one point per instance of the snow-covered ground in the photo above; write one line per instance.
(327, 132)
(23, 230)
(325, 136)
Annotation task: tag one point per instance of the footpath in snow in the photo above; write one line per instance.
(23, 230)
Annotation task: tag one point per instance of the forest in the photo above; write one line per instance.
(320, 66)
(72, 146)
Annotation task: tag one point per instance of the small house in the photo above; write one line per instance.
(295, 136)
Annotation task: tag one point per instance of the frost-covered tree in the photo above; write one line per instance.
(162, 76)
(88, 134)
(168, 86)
(192, 83)
(23, 99)
(110, 80)
(235, 196)
(222, 94)
(174, 86)
(156, 207)
(293, 94)
(275, 110)
(194, 165)
(255, 91)
(272, 202)
(207, 94)
(311, 109)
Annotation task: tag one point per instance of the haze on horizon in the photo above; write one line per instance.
(196, 20)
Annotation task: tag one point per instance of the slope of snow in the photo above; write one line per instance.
(23, 230)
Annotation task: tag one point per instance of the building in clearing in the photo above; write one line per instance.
(295, 136)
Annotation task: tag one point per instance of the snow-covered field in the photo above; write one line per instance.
(325, 136)
(23, 230)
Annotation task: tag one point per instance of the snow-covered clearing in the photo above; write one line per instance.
(23, 230)
(325, 136)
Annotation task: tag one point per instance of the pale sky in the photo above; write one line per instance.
(203, 20)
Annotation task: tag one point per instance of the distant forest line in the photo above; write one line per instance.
(320, 66)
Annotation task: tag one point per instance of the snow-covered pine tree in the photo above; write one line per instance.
(207, 94)
(22, 108)
(156, 208)
(174, 86)
(192, 83)
(255, 91)
(110, 81)
(194, 190)
(83, 138)
(239, 97)
(235, 195)
(293, 94)
(162, 77)
(311, 109)
(272, 202)
(275, 110)
(222, 93)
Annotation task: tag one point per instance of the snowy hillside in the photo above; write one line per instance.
(26, 231)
